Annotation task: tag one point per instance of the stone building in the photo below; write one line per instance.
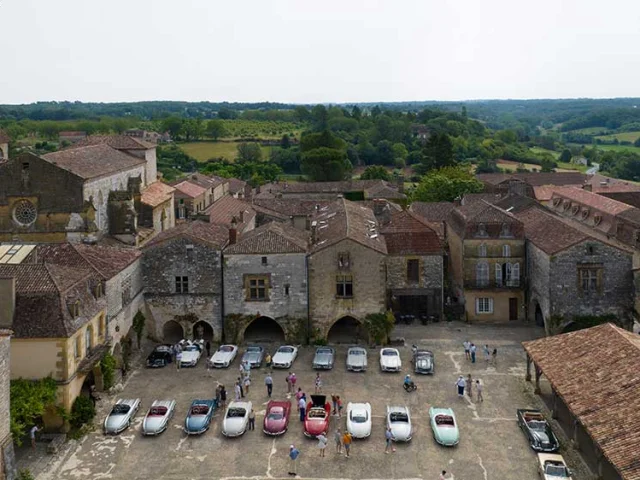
(265, 284)
(346, 270)
(182, 275)
(214, 190)
(190, 199)
(158, 209)
(354, 190)
(4, 146)
(434, 214)
(231, 212)
(487, 259)
(415, 267)
(525, 183)
(294, 210)
(7, 457)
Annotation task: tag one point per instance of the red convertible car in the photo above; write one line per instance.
(317, 416)
(276, 418)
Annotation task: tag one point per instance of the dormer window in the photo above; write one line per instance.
(505, 230)
(591, 250)
(98, 290)
(557, 201)
(343, 260)
(482, 230)
(74, 308)
(585, 213)
(575, 209)
(566, 204)
(597, 219)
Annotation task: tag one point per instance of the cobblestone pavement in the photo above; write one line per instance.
(491, 446)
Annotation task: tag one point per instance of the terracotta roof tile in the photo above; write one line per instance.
(630, 198)
(156, 194)
(274, 237)
(543, 193)
(595, 372)
(108, 261)
(224, 210)
(593, 200)
(291, 206)
(548, 233)
(93, 161)
(214, 235)
(189, 189)
(470, 198)
(236, 185)
(465, 219)
(119, 142)
(406, 234)
(200, 179)
(432, 211)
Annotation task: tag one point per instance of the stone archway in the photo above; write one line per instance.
(172, 332)
(202, 331)
(263, 330)
(538, 315)
(347, 329)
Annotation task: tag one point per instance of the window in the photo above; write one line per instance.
(505, 230)
(25, 174)
(591, 250)
(77, 347)
(343, 260)
(344, 286)
(286, 290)
(514, 281)
(482, 230)
(484, 305)
(257, 288)
(413, 270)
(182, 284)
(482, 250)
(88, 333)
(264, 260)
(482, 274)
(126, 290)
(98, 290)
(74, 308)
(589, 279)
(506, 251)
(498, 275)
(101, 326)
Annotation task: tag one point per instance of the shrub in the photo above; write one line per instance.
(380, 326)
(24, 474)
(82, 411)
(108, 366)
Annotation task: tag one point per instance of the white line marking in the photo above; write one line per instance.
(271, 454)
(484, 470)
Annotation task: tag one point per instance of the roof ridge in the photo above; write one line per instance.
(74, 246)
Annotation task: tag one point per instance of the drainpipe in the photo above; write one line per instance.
(306, 264)
(222, 333)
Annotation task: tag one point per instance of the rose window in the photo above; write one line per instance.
(25, 212)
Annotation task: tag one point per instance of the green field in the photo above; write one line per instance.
(622, 137)
(265, 130)
(589, 130)
(203, 151)
(615, 148)
(540, 150)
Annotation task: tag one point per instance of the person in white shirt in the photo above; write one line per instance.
(461, 383)
(302, 405)
(32, 435)
(467, 346)
(479, 391)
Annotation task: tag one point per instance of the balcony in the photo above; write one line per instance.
(486, 284)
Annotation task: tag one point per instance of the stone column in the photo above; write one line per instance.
(554, 404)
(528, 376)
(538, 375)
(574, 436)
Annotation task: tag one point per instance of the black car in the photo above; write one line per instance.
(424, 362)
(160, 357)
(538, 431)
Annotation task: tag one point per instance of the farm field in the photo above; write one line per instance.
(622, 137)
(511, 166)
(589, 130)
(203, 151)
(540, 150)
(266, 130)
(615, 148)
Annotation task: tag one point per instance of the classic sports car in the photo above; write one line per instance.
(284, 356)
(276, 418)
(359, 419)
(399, 421)
(157, 418)
(191, 352)
(160, 357)
(254, 354)
(424, 362)
(323, 359)
(390, 360)
(444, 426)
(356, 359)
(223, 356)
(535, 426)
(236, 419)
(317, 416)
(552, 466)
(121, 415)
(199, 416)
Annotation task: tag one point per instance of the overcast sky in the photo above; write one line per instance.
(306, 51)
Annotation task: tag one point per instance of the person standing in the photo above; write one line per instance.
(479, 388)
(288, 380)
(252, 420)
(322, 443)
(247, 384)
(469, 385)
(473, 353)
(239, 382)
(178, 358)
(302, 406)
(334, 402)
(293, 380)
(268, 381)
(223, 396)
(337, 436)
(346, 441)
(487, 353)
(318, 383)
(238, 390)
(460, 383)
(267, 360)
(339, 403)
(388, 436)
(32, 436)
(207, 347)
(467, 346)
(293, 456)
(494, 357)
(299, 395)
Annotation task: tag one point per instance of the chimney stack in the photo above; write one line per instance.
(233, 231)
(241, 216)
(314, 232)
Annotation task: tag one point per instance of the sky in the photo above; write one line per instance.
(317, 51)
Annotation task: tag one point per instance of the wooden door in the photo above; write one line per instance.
(513, 309)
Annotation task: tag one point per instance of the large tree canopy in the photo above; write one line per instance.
(446, 184)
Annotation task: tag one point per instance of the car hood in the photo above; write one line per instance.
(322, 358)
(357, 360)
(543, 436)
(221, 356)
(234, 424)
(195, 423)
(359, 429)
(190, 356)
(391, 360)
(401, 431)
(447, 434)
(273, 425)
(251, 356)
(315, 426)
(154, 423)
(282, 357)
(115, 422)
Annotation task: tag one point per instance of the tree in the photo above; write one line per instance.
(285, 142)
(565, 156)
(446, 184)
(400, 151)
(249, 152)
(227, 114)
(326, 164)
(173, 125)
(138, 325)
(637, 142)
(29, 401)
(193, 128)
(288, 159)
(356, 113)
(384, 152)
(438, 152)
(216, 129)
(319, 117)
(375, 172)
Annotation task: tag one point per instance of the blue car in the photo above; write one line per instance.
(199, 416)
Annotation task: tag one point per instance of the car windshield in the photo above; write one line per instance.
(120, 408)
(323, 351)
(162, 348)
(276, 413)
(285, 350)
(236, 412)
(554, 469)
(536, 424)
(158, 411)
(356, 352)
(389, 353)
(423, 362)
(253, 349)
(445, 421)
(359, 417)
(192, 348)
(399, 417)
(199, 410)
(317, 413)
(226, 348)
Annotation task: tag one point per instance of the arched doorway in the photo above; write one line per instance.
(347, 330)
(117, 354)
(202, 331)
(264, 330)
(172, 332)
(539, 317)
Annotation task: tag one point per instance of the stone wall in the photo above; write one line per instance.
(431, 271)
(538, 282)
(5, 376)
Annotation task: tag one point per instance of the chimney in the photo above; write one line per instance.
(378, 206)
(587, 187)
(233, 231)
(241, 216)
(7, 306)
(400, 183)
(247, 191)
(314, 232)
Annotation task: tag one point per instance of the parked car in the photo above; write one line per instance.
(323, 359)
(160, 356)
(537, 429)
(444, 426)
(224, 356)
(276, 418)
(284, 356)
(317, 416)
(121, 415)
(399, 421)
(359, 419)
(236, 419)
(552, 466)
(424, 362)
(356, 359)
(390, 360)
(254, 354)
(157, 418)
(199, 416)
(191, 352)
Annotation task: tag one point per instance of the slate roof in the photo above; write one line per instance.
(630, 198)
(225, 209)
(469, 198)
(432, 211)
(601, 388)
(593, 200)
(406, 234)
(93, 161)
(548, 233)
(4, 138)
(543, 193)
(119, 142)
(215, 236)
(466, 218)
(189, 189)
(291, 206)
(516, 203)
(156, 194)
(344, 219)
(274, 237)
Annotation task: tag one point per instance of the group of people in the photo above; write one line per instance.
(470, 350)
(463, 384)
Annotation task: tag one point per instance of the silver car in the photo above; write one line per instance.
(390, 360)
(121, 415)
(356, 359)
(399, 421)
(254, 354)
(157, 418)
(323, 359)
(236, 419)
(285, 356)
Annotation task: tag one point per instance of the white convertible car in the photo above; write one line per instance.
(224, 356)
(284, 356)
(359, 419)
(191, 352)
(399, 421)
(157, 418)
(236, 419)
(356, 359)
(390, 360)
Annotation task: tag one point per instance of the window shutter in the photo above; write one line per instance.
(490, 305)
(477, 305)
(515, 272)
(498, 274)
